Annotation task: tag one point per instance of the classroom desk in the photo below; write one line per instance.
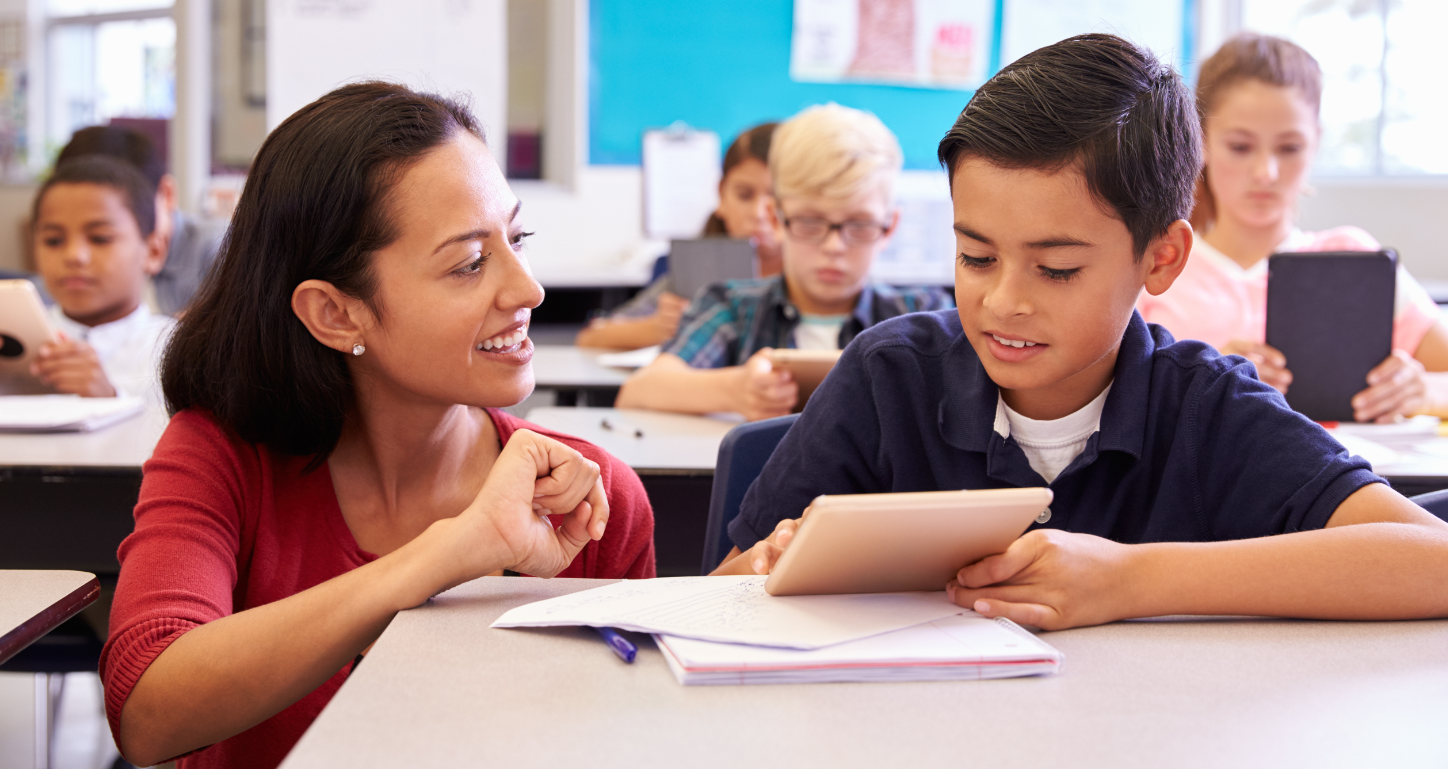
(441, 689)
(575, 374)
(66, 498)
(33, 603)
(674, 458)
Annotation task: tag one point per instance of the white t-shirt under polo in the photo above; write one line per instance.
(1051, 444)
(819, 332)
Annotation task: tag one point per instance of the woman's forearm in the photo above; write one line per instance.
(226, 676)
(669, 384)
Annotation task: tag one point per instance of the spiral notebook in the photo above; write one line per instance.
(961, 647)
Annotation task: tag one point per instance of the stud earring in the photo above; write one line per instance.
(358, 349)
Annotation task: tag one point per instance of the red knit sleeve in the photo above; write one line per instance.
(179, 567)
(627, 548)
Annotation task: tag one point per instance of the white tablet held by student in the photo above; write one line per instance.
(23, 329)
(808, 367)
(886, 543)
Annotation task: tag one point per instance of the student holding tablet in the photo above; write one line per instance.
(96, 245)
(834, 171)
(653, 316)
(1181, 484)
(337, 453)
(1258, 99)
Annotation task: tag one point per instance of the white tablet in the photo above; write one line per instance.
(886, 543)
(24, 327)
(809, 368)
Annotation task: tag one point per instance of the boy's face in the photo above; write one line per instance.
(1041, 264)
(90, 251)
(827, 272)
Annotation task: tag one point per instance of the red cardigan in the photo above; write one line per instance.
(223, 525)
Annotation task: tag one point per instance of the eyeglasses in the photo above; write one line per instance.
(814, 230)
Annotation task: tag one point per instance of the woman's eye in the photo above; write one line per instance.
(472, 268)
(975, 261)
(1060, 275)
(519, 239)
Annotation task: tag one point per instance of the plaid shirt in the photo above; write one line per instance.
(730, 321)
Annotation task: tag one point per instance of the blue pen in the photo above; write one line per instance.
(621, 646)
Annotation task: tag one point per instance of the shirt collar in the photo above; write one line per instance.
(968, 412)
(106, 335)
(863, 313)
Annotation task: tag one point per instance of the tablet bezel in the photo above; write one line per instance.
(22, 316)
(885, 543)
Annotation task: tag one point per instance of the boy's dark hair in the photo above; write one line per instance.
(316, 205)
(1103, 103)
(117, 142)
(139, 195)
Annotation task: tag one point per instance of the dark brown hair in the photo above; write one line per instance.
(315, 206)
(1100, 102)
(118, 142)
(138, 194)
(1250, 56)
(752, 144)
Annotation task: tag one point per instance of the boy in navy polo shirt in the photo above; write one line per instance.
(1072, 173)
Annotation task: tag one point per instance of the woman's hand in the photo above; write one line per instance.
(1398, 387)
(72, 366)
(763, 392)
(1051, 579)
(507, 525)
(1271, 364)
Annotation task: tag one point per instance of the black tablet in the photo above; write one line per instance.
(694, 264)
(1331, 315)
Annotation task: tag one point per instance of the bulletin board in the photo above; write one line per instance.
(724, 65)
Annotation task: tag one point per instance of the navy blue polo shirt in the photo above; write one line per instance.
(1192, 446)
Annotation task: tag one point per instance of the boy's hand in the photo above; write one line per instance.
(764, 392)
(670, 311)
(72, 366)
(766, 552)
(1397, 388)
(1050, 579)
(1270, 362)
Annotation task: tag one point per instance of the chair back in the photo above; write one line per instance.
(742, 455)
(1435, 502)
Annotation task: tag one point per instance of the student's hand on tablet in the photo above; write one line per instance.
(1398, 387)
(506, 525)
(670, 311)
(1048, 578)
(72, 367)
(1271, 364)
(766, 552)
(765, 392)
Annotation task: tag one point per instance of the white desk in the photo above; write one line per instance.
(33, 603)
(566, 366)
(125, 444)
(441, 689)
(670, 443)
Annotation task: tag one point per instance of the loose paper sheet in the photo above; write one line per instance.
(63, 413)
(733, 610)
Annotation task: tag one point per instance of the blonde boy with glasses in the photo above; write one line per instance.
(834, 170)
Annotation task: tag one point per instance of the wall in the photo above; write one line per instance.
(1401, 213)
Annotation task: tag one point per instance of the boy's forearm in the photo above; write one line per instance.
(681, 388)
(1369, 571)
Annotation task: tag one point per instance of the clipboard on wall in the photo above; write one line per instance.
(681, 181)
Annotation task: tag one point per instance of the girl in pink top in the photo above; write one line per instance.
(1258, 98)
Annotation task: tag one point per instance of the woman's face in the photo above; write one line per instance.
(744, 200)
(454, 291)
(1260, 141)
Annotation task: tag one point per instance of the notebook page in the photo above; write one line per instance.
(733, 610)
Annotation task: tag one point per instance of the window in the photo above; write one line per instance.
(109, 61)
(1382, 108)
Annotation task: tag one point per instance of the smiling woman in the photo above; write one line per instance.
(336, 453)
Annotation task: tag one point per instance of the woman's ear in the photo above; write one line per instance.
(1167, 256)
(334, 318)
